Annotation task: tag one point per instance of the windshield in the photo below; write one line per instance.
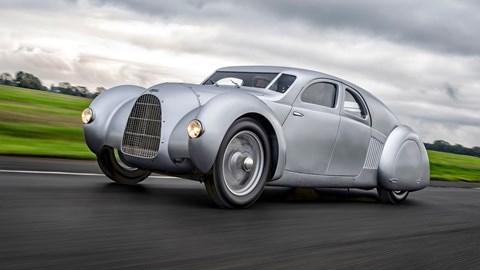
(251, 79)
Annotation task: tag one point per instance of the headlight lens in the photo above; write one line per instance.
(87, 116)
(195, 129)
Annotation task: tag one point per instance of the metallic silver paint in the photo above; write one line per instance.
(314, 147)
(203, 150)
(351, 147)
(404, 163)
(111, 110)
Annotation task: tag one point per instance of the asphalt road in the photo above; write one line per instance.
(68, 221)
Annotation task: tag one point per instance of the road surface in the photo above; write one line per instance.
(72, 217)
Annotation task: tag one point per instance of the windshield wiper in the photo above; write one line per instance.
(236, 84)
(213, 82)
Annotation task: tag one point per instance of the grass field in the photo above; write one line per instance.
(36, 123)
(452, 167)
(39, 123)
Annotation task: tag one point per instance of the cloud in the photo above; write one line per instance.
(417, 57)
(451, 91)
(443, 25)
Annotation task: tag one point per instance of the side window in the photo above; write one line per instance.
(353, 105)
(322, 93)
(283, 83)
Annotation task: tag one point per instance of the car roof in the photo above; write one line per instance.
(274, 69)
(305, 74)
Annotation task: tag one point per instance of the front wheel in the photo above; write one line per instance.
(392, 196)
(114, 166)
(242, 165)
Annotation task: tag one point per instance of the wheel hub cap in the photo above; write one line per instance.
(247, 164)
(243, 163)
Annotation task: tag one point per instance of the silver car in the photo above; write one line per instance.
(249, 126)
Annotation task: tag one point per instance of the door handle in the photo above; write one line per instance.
(299, 114)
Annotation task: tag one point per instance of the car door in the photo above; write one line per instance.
(353, 136)
(311, 127)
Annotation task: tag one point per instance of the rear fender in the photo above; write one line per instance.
(404, 162)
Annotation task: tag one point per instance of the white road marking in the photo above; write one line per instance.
(71, 173)
(89, 174)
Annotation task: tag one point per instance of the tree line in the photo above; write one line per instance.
(444, 146)
(30, 81)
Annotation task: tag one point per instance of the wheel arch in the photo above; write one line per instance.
(272, 136)
(218, 115)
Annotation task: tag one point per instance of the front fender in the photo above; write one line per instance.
(110, 109)
(218, 114)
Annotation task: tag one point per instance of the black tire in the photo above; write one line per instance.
(392, 196)
(241, 167)
(114, 166)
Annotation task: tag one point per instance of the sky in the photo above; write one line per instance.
(421, 58)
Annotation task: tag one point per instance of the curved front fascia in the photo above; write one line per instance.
(217, 115)
(404, 162)
(110, 110)
(176, 101)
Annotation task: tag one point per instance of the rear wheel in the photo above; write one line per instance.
(392, 196)
(114, 166)
(242, 165)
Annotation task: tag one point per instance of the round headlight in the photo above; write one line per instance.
(195, 129)
(87, 116)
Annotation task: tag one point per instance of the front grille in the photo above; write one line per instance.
(142, 134)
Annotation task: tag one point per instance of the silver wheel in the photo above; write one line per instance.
(243, 162)
(242, 165)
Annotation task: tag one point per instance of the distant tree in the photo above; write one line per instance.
(7, 79)
(27, 80)
(19, 76)
(440, 145)
(98, 92)
(458, 149)
(444, 146)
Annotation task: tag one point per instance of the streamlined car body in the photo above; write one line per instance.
(248, 126)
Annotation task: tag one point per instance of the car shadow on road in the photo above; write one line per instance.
(195, 195)
(324, 195)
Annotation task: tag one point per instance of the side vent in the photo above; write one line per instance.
(142, 133)
(374, 153)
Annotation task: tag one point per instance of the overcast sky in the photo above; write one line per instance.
(421, 58)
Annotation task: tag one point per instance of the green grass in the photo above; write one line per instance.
(37, 123)
(453, 167)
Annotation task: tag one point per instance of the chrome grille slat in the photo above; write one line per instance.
(142, 133)
(138, 118)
